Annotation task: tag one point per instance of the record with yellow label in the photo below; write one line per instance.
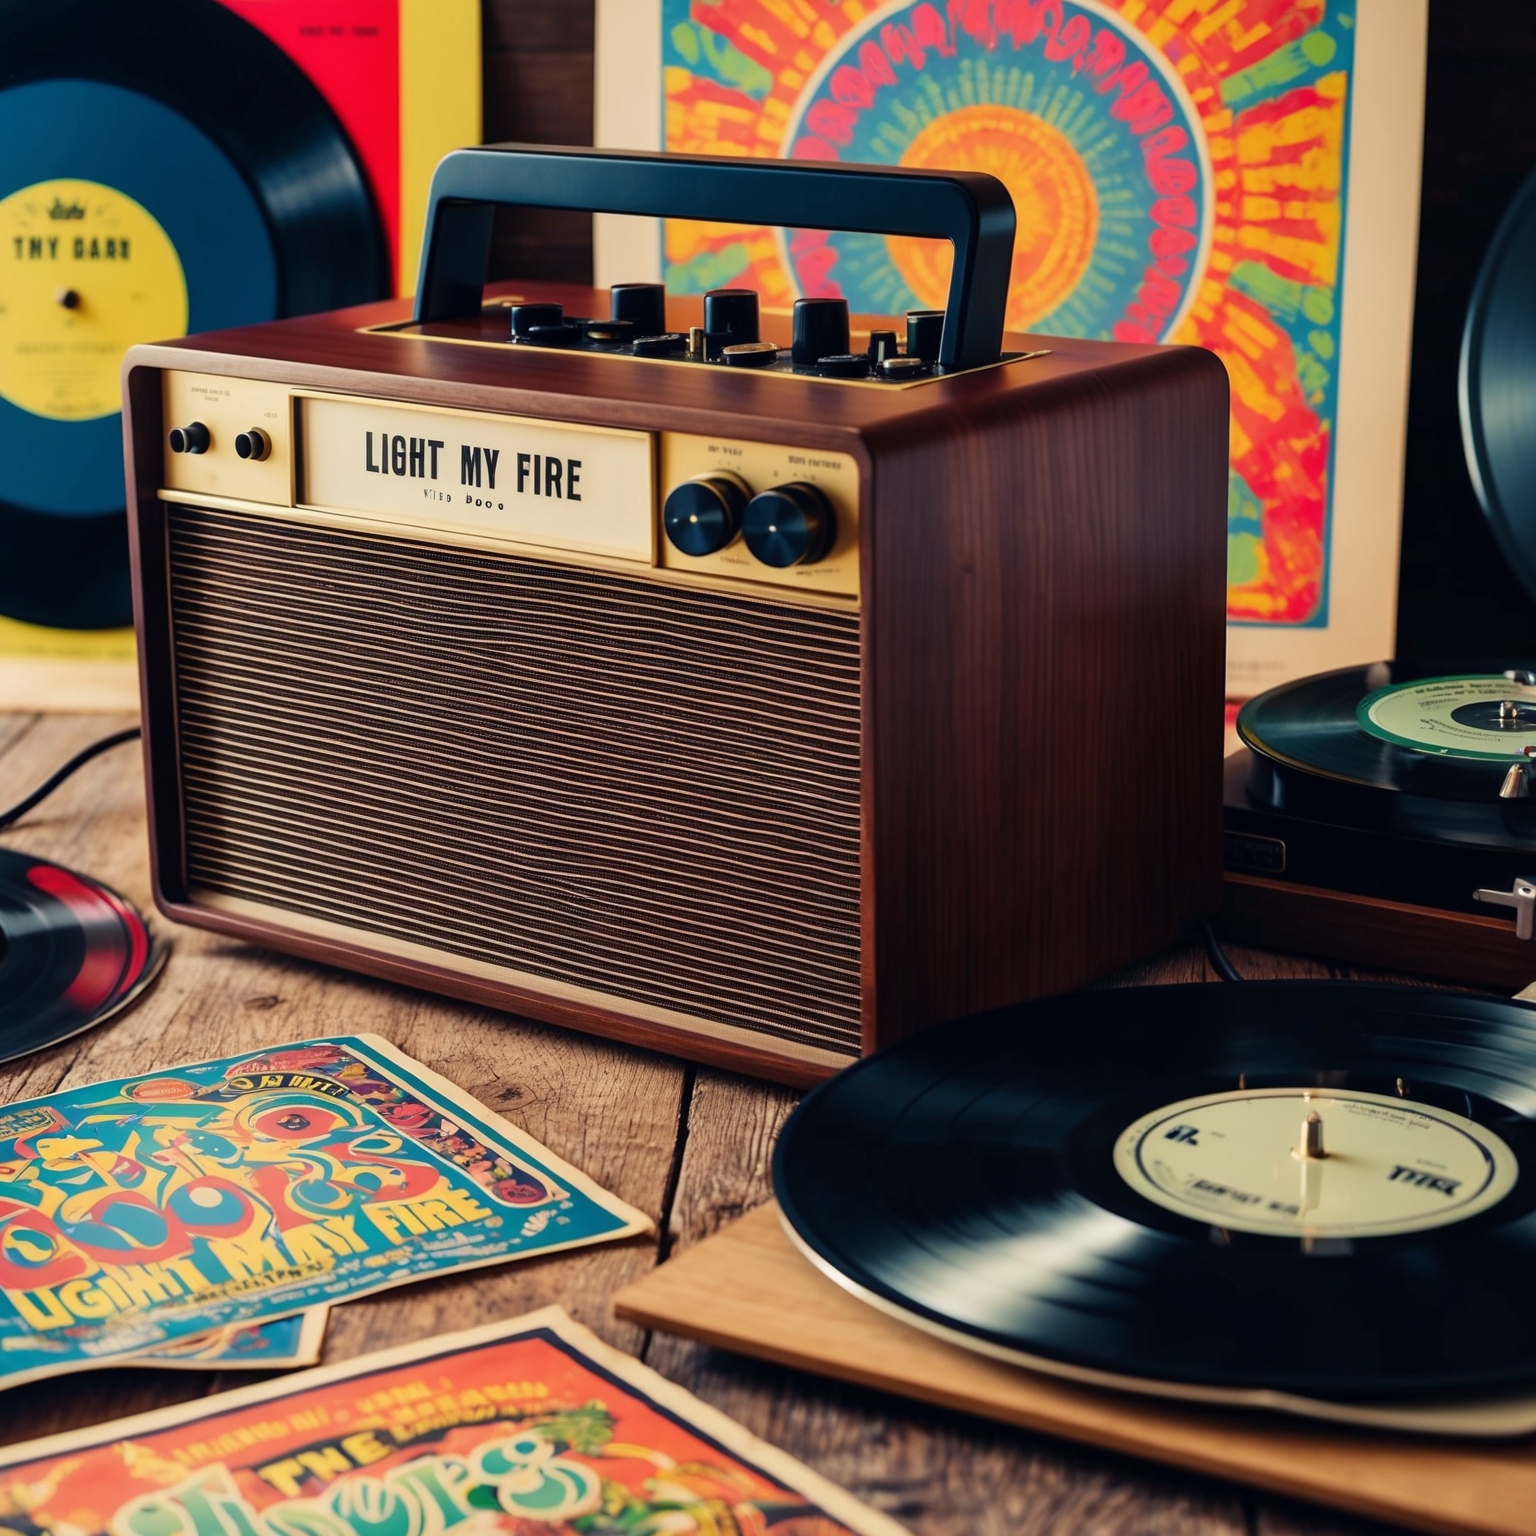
(1315, 1196)
(164, 169)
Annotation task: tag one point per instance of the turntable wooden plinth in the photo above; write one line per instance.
(747, 1289)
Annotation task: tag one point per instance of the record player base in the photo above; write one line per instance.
(749, 1290)
(1368, 931)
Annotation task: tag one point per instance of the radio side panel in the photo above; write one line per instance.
(1046, 612)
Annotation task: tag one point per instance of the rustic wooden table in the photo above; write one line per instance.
(689, 1145)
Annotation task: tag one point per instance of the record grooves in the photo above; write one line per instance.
(72, 954)
(172, 143)
(982, 1180)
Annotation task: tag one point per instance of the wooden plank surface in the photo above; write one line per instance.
(749, 1289)
(610, 1110)
(691, 1147)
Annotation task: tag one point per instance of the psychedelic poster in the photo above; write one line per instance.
(532, 1425)
(137, 1213)
(1182, 171)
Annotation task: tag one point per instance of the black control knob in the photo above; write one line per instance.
(525, 317)
(820, 330)
(730, 318)
(882, 344)
(254, 444)
(790, 525)
(703, 515)
(192, 439)
(850, 365)
(925, 330)
(667, 344)
(644, 305)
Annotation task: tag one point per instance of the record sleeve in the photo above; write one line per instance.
(530, 1424)
(144, 1210)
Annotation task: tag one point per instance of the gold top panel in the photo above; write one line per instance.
(228, 407)
(762, 466)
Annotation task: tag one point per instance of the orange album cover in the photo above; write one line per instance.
(528, 1426)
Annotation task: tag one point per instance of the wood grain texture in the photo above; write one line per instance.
(748, 1288)
(609, 1110)
(1390, 935)
(938, 1472)
(617, 1114)
(537, 80)
(1042, 557)
(1047, 631)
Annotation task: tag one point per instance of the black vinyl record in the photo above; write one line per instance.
(1116, 1184)
(72, 954)
(165, 168)
(1496, 386)
(1446, 730)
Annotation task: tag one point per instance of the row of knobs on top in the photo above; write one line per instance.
(637, 324)
(196, 438)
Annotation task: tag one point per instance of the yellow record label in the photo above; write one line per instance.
(1381, 1166)
(85, 272)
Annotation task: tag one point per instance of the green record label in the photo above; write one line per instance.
(1485, 716)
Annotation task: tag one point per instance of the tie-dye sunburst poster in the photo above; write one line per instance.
(1182, 171)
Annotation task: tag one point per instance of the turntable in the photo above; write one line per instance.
(1386, 815)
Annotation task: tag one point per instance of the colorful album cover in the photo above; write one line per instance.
(138, 1212)
(528, 1426)
(1182, 171)
(403, 76)
(278, 1345)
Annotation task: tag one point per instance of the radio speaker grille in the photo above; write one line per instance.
(646, 790)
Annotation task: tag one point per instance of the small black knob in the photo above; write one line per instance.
(925, 330)
(730, 318)
(882, 344)
(790, 525)
(193, 439)
(525, 316)
(820, 330)
(564, 333)
(644, 305)
(846, 365)
(703, 515)
(254, 444)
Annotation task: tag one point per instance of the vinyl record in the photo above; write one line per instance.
(1497, 386)
(72, 953)
(1109, 1185)
(164, 168)
(1442, 729)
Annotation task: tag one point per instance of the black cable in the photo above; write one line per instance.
(1217, 955)
(79, 760)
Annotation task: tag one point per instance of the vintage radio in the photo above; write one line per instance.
(727, 682)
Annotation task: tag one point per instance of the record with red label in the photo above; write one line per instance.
(72, 953)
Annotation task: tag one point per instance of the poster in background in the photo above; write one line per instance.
(1235, 174)
(525, 1426)
(403, 78)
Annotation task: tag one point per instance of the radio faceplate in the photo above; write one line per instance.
(555, 490)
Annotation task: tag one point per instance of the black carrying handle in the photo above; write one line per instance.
(969, 209)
